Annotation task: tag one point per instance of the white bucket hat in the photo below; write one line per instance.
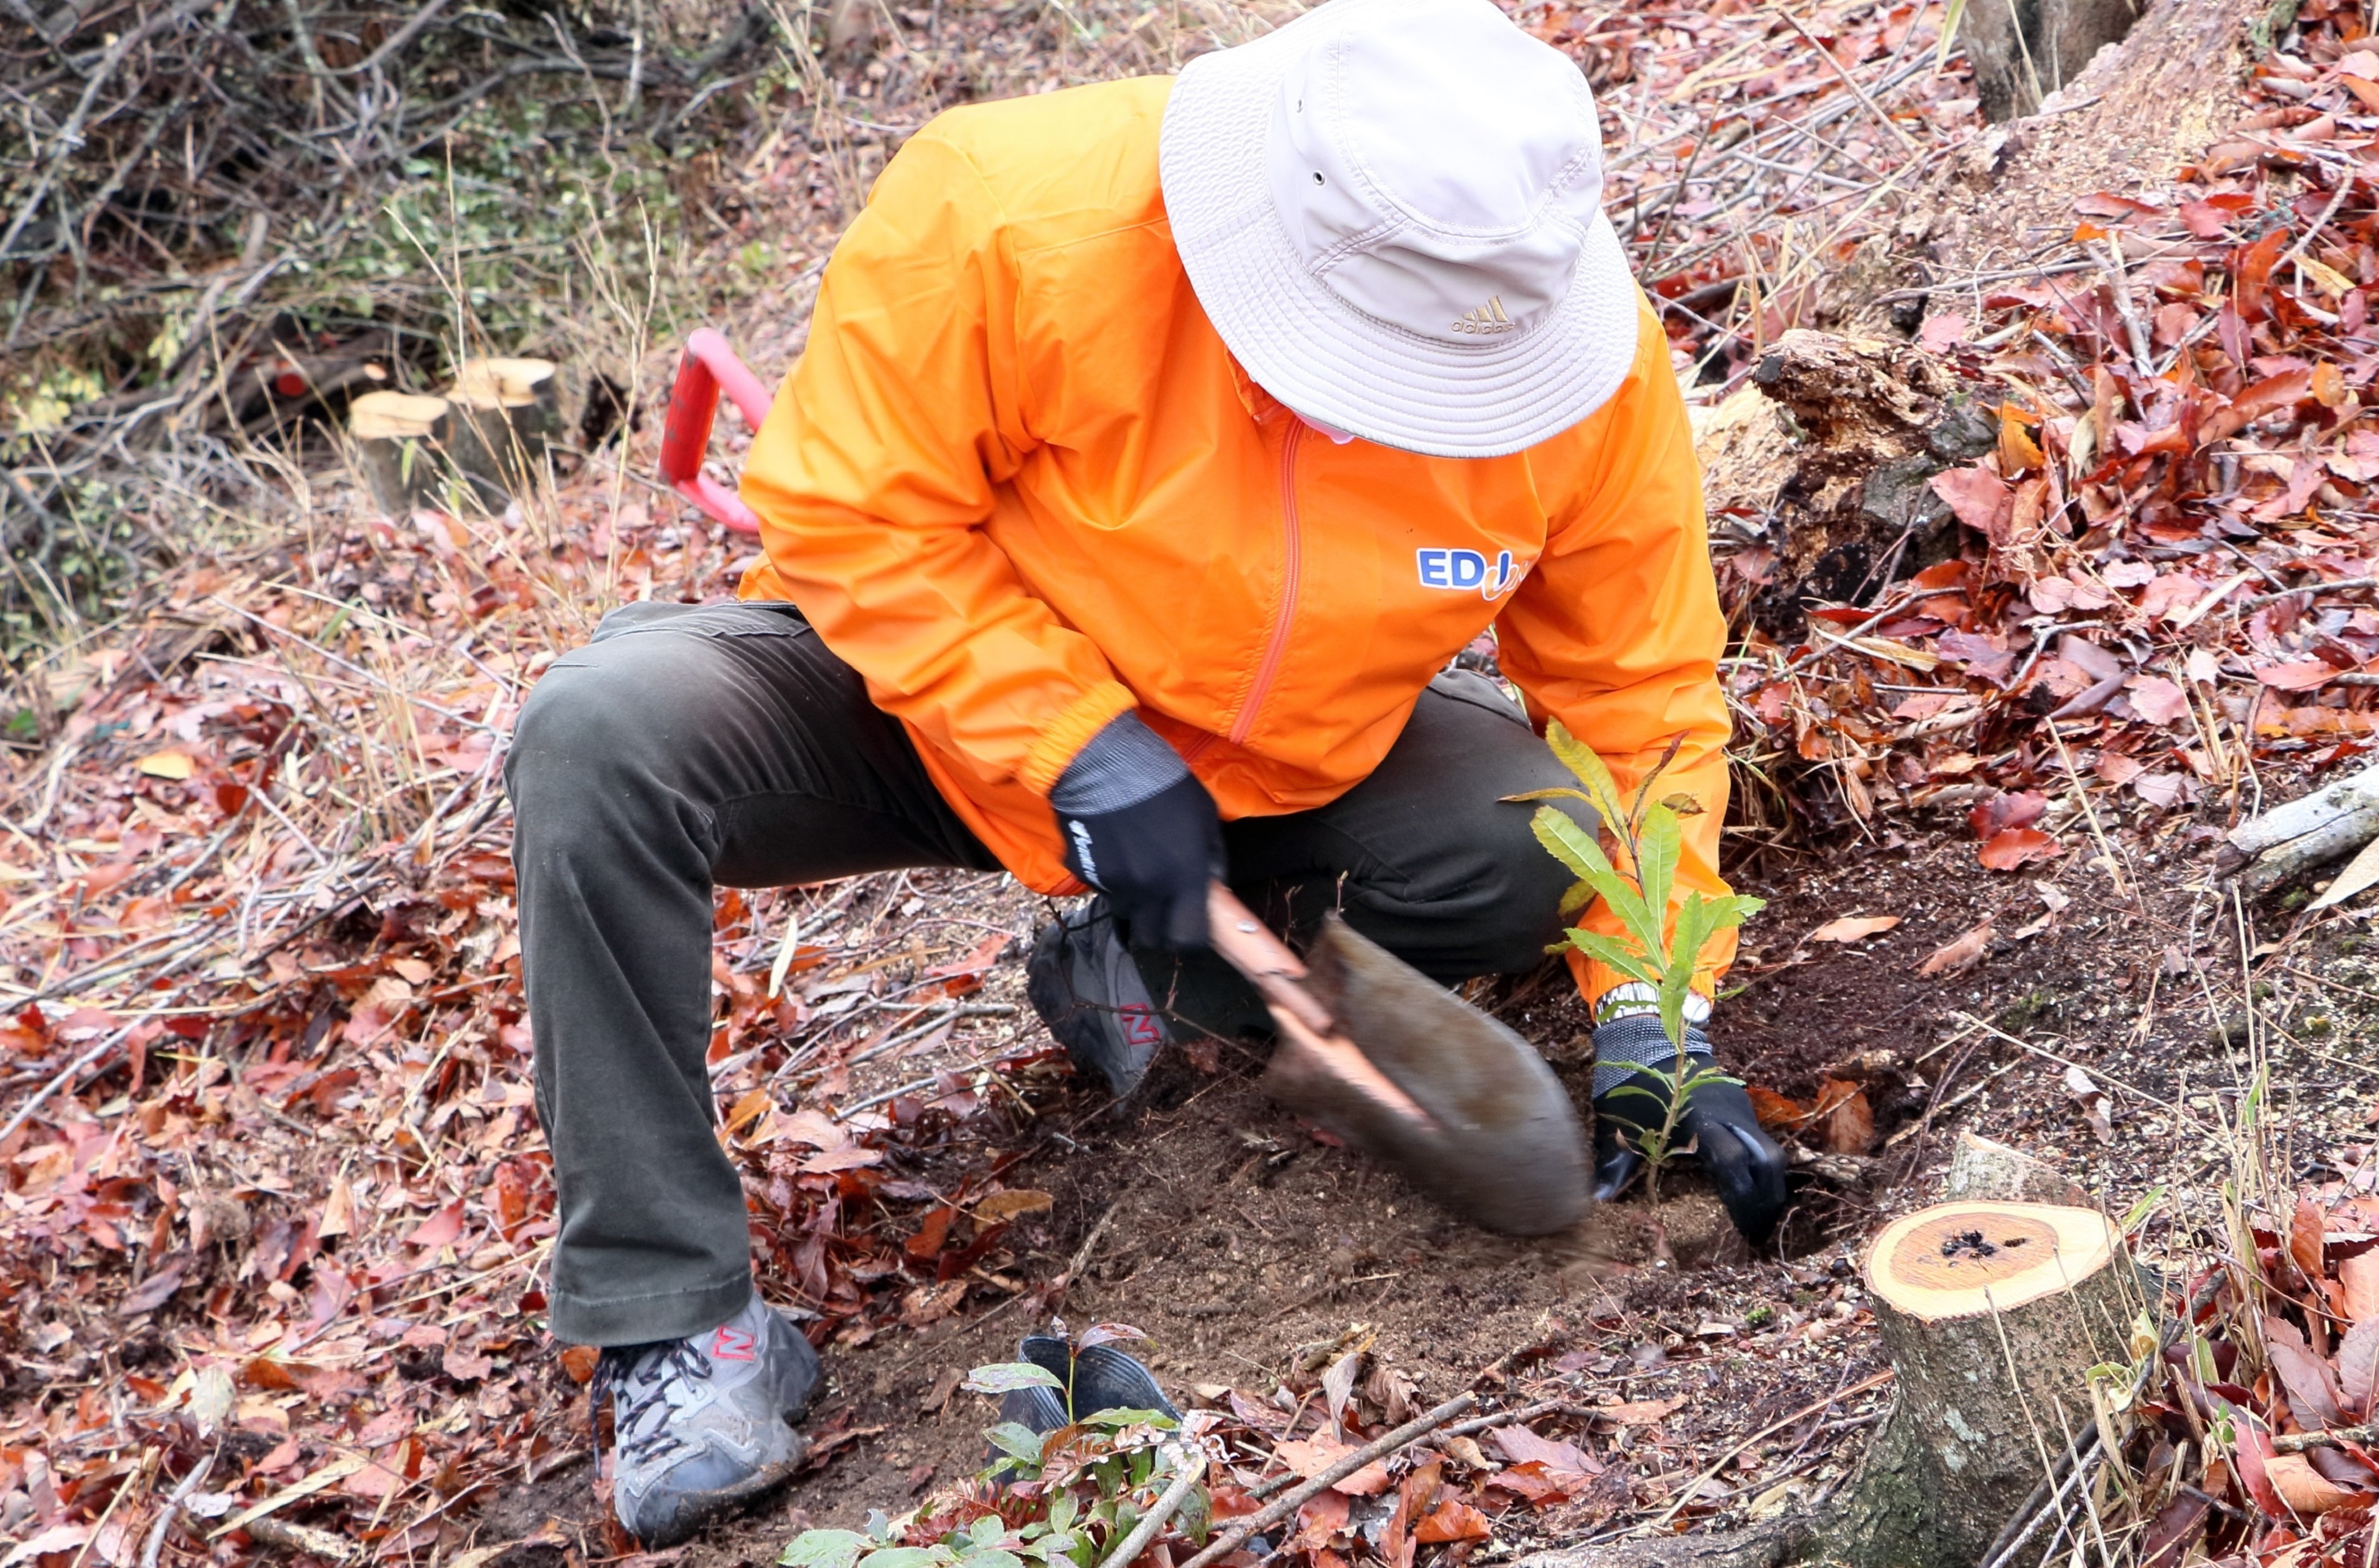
(1391, 209)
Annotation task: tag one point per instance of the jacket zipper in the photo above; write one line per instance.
(1292, 564)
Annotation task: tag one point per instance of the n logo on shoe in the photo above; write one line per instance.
(1139, 1025)
(733, 1344)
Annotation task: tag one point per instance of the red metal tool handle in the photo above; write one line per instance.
(708, 367)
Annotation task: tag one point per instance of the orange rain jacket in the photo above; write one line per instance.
(1019, 484)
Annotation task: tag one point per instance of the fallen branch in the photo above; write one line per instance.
(2291, 839)
(1872, 107)
(2297, 1443)
(303, 1538)
(1289, 1503)
(2259, 600)
(1153, 1523)
(154, 1547)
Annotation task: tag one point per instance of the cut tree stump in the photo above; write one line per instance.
(508, 411)
(405, 443)
(2023, 53)
(1981, 1169)
(1993, 1312)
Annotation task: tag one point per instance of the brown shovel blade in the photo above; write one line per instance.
(1499, 1141)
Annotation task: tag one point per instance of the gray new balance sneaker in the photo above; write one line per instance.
(1081, 981)
(702, 1425)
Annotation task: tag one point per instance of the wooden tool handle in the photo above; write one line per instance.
(1249, 946)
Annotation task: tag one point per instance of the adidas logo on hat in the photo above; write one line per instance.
(1487, 317)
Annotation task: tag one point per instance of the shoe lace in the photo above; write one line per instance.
(647, 1384)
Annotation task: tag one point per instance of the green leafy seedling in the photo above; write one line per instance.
(1066, 1500)
(1651, 949)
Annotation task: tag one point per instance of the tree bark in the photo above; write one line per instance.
(404, 443)
(507, 411)
(1981, 1169)
(2024, 50)
(1994, 1313)
(2289, 840)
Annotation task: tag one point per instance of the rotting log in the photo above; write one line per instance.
(1831, 449)
(507, 412)
(404, 442)
(2289, 840)
(1993, 1312)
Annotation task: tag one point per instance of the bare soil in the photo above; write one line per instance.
(1247, 1245)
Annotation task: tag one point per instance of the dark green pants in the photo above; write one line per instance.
(687, 747)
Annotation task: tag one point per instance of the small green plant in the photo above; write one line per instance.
(1649, 837)
(1068, 1499)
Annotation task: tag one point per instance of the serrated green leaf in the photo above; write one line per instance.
(1676, 983)
(1112, 1419)
(1557, 792)
(1575, 897)
(1570, 844)
(1602, 790)
(989, 1557)
(1582, 852)
(1061, 1512)
(824, 1548)
(1659, 847)
(1733, 909)
(1006, 1377)
(1613, 952)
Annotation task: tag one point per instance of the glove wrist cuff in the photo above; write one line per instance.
(1630, 1043)
(1125, 764)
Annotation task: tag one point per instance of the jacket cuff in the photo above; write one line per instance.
(1063, 738)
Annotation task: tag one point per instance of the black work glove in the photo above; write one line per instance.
(1141, 829)
(1744, 1161)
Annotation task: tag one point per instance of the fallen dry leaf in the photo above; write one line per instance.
(1847, 1120)
(1853, 928)
(2305, 1490)
(1773, 1109)
(2360, 1275)
(2157, 700)
(998, 1206)
(1637, 1412)
(2358, 1368)
(1309, 1456)
(2086, 1094)
(1961, 954)
(1521, 1446)
(2301, 676)
(2012, 847)
(1453, 1520)
(172, 765)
